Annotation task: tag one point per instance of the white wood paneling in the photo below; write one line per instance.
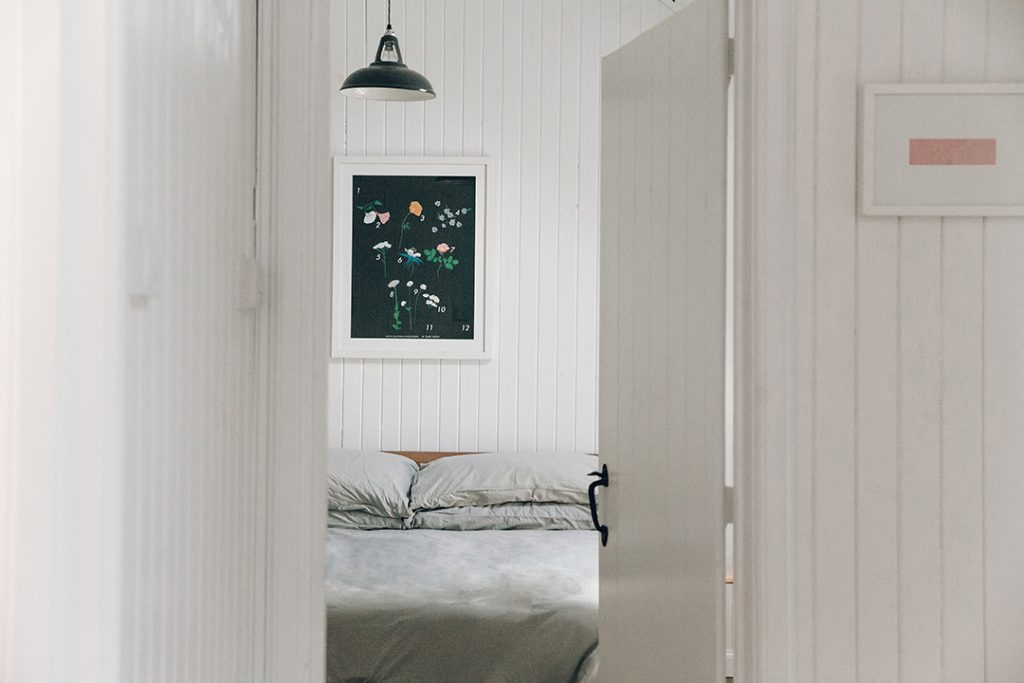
(517, 81)
(889, 382)
(1002, 468)
(63, 317)
(193, 577)
(294, 238)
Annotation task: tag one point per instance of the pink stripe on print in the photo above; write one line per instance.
(952, 151)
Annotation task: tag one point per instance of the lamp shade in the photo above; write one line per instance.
(388, 79)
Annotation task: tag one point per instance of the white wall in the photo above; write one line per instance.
(894, 373)
(195, 473)
(62, 324)
(517, 81)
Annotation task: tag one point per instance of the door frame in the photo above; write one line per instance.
(292, 206)
(293, 212)
(767, 589)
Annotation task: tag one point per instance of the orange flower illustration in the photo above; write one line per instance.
(415, 208)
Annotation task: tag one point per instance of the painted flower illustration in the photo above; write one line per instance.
(412, 259)
(442, 257)
(415, 209)
(372, 212)
(382, 255)
(448, 218)
(411, 299)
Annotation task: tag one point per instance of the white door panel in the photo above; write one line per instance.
(663, 249)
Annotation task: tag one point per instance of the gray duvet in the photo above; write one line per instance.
(425, 606)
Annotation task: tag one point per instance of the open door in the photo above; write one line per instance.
(662, 373)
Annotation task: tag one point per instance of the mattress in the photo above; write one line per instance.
(425, 606)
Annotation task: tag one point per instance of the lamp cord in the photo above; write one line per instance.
(389, 15)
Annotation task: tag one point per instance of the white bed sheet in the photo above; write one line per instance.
(425, 606)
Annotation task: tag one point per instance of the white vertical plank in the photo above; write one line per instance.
(375, 123)
(588, 248)
(630, 20)
(434, 69)
(1004, 467)
(354, 144)
(372, 400)
(338, 52)
(568, 228)
(492, 89)
(391, 400)
(877, 542)
(835, 353)
(412, 33)
(1004, 389)
(528, 250)
(338, 55)
(548, 244)
(430, 405)
(472, 145)
(803, 511)
(335, 409)
(448, 412)
(921, 393)
(962, 504)
(394, 112)
(608, 26)
(511, 182)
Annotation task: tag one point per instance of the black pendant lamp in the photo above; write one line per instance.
(388, 78)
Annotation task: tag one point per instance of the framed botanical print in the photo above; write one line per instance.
(413, 258)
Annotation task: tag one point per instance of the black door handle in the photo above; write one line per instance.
(602, 480)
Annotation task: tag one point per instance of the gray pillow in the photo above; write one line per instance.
(357, 519)
(369, 481)
(504, 477)
(551, 516)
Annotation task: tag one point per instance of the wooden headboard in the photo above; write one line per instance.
(423, 457)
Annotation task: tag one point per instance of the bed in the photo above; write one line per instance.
(424, 605)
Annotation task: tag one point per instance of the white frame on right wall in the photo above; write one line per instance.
(942, 149)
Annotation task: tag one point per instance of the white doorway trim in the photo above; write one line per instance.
(294, 240)
(293, 210)
(767, 592)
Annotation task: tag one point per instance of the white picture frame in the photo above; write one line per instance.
(402, 343)
(942, 149)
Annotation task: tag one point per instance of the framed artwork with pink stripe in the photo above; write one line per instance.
(942, 149)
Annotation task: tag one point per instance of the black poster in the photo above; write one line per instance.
(413, 257)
